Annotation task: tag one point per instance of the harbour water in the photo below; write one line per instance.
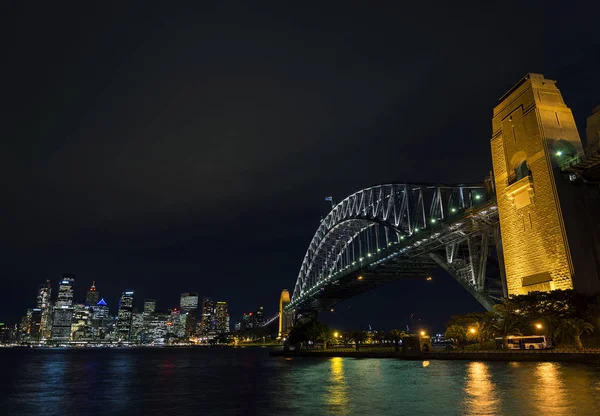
(227, 381)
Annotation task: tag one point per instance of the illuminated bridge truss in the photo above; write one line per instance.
(394, 231)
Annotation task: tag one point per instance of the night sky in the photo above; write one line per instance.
(168, 150)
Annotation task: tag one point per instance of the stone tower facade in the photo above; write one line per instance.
(533, 133)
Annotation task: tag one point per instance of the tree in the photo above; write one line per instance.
(457, 333)
(396, 335)
(482, 323)
(508, 322)
(358, 337)
(575, 328)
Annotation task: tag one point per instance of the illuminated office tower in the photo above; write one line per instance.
(208, 316)
(30, 326)
(44, 303)
(92, 296)
(101, 320)
(222, 317)
(189, 312)
(137, 327)
(81, 328)
(247, 321)
(63, 309)
(260, 316)
(124, 316)
(149, 306)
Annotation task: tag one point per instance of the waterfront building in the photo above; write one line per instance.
(63, 310)
(149, 306)
(174, 328)
(188, 302)
(44, 303)
(92, 296)
(222, 318)
(208, 316)
(545, 219)
(81, 325)
(124, 316)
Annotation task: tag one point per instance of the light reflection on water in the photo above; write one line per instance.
(482, 398)
(232, 382)
(337, 395)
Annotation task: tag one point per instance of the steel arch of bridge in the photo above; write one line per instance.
(373, 222)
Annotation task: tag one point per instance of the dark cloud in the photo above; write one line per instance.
(175, 149)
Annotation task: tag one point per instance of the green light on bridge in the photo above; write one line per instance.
(452, 209)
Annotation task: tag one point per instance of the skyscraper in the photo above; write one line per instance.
(63, 309)
(81, 329)
(260, 316)
(92, 296)
(208, 316)
(124, 316)
(189, 312)
(149, 306)
(222, 317)
(44, 303)
(101, 320)
(65, 291)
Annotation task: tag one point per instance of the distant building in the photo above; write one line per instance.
(92, 296)
(101, 310)
(222, 318)
(44, 303)
(63, 309)
(101, 320)
(175, 327)
(81, 325)
(208, 316)
(31, 325)
(156, 328)
(124, 316)
(247, 321)
(137, 327)
(149, 305)
(6, 334)
(189, 312)
(65, 291)
(260, 316)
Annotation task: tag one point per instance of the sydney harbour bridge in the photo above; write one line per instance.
(534, 225)
(401, 230)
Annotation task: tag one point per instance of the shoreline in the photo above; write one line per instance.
(573, 357)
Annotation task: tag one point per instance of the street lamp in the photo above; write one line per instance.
(422, 333)
(360, 277)
(472, 330)
(335, 334)
(538, 326)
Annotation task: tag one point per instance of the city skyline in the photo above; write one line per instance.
(62, 319)
(150, 161)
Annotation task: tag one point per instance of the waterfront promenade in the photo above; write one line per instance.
(591, 356)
